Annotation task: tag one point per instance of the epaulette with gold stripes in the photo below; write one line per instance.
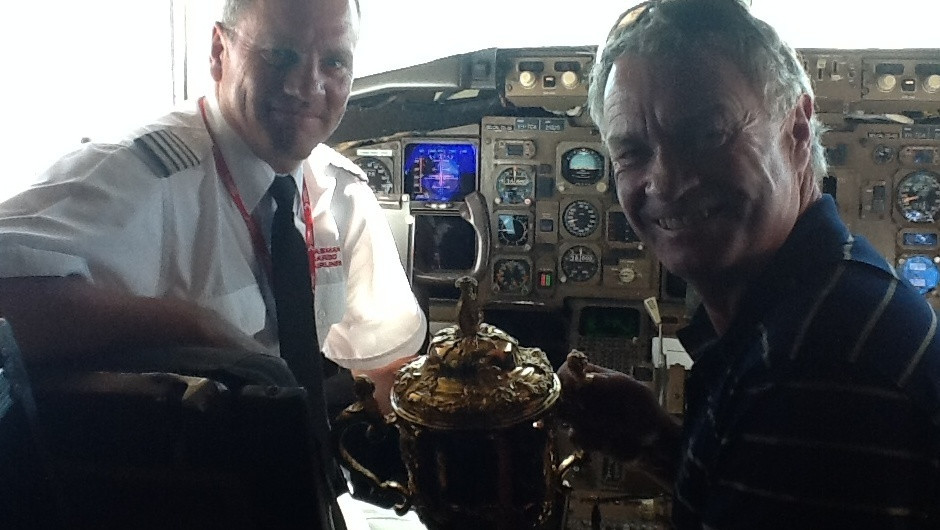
(166, 152)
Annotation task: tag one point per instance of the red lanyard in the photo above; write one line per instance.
(257, 239)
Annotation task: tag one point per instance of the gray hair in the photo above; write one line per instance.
(232, 11)
(676, 29)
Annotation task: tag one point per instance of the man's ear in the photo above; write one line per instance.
(800, 132)
(217, 51)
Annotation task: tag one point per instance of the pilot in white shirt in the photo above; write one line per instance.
(151, 215)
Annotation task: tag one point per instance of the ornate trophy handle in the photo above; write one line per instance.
(366, 410)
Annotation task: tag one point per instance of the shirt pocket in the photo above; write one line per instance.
(330, 301)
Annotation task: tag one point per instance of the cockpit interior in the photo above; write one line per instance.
(486, 164)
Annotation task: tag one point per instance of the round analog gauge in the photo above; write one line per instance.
(513, 230)
(579, 263)
(921, 272)
(582, 166)
(380, 177)
(919, 196)
(512, 276)
(884, 153)
(580, 218)
(515, 184)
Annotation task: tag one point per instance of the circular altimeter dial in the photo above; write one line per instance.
(380, 177)
(512, 276)
(579, 264)
(515, 184)
(582, 166)
(513, 230)
(919, 196)
(580, 218)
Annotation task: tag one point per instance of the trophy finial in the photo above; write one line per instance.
(468, 307)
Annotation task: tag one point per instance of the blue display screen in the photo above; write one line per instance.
(440, 172)
(920, 239)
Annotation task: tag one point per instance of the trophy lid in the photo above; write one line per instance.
(475, 376)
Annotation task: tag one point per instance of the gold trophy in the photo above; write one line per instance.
(476, 429)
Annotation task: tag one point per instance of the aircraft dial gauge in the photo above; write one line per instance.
(379, 175)
(580, 218)
(579, 263)
(515, 184)
(512, 276)
(513, 230)
(919, 196)
(921, 272)
(582, 166)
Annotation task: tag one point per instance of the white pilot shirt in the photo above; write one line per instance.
(153, 217)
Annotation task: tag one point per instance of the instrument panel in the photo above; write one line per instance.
(546, 183)
(883, 149)
(886, 180)
(555, 226)
(553, 230)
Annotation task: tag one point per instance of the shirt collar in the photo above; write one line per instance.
(252, 176)
(699, 335)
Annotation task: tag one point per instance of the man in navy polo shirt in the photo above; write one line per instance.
(814, 400)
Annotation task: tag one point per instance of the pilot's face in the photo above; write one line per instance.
(707, 178)
(283, 75)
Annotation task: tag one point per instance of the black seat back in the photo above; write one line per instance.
(26, 480)
(164, 450)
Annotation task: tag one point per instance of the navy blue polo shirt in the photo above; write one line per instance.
(820, 407)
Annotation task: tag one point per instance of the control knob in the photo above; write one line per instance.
(626, 275)
(527, 79)
(932, 83)
(570, 80)
(887, 82)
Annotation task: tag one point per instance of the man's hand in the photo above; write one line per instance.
(384, 378)
(613, 413)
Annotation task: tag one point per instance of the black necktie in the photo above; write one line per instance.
(293, 295)
(296, 327)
